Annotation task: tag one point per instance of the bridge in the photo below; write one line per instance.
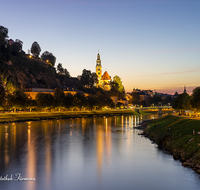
(158, 108)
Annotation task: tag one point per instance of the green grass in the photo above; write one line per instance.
(32, 116)
(179, 139)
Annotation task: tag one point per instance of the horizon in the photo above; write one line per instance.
(148, 44)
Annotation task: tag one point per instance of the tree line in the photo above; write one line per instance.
(155, 100)
(12, 98)
(185, 101)
(18, 100)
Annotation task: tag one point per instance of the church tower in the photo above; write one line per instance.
(98, 70)
(185, 91)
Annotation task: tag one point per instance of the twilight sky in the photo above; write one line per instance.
(150, 44)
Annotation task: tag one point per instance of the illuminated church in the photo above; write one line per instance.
(103, 80)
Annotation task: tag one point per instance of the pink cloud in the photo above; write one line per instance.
(171, 73)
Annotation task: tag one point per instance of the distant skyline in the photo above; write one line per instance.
(149, 44)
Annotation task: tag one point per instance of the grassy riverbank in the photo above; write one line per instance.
(34, 116)
(175, 134)
(155, 111)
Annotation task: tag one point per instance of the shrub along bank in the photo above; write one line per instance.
(179, 136)
(35, 116)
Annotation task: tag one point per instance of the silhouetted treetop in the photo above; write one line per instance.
(48, 57)
(35, 49)
(4, 31)
(87, 78)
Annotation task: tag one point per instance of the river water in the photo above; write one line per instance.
(87, 154)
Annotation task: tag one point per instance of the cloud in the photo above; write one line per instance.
(169, 51)
(120, 2)
(178, 89)
(171, 73)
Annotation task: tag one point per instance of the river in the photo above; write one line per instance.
(87, 154)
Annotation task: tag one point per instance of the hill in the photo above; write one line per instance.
(25, 72)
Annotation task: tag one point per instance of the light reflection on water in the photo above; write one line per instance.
(88, 153)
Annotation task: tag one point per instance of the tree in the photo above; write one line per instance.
(187, 102)
(114, 90)
(156, 99)
(2, 94)
(94, 79)
(59, 97)
(4, 31)
(2, 42)
(10, 88)
(149, 101)
(143, 103)
(69, 100)
(87, 78)
(30, 104)
(168, 100)
(35, 49)
(60, 68)
(44, 100)
(19, 43)
(135, 98)
(3, 36)
(63, 71)
(48, 57)
(181, 102)
(104, 99)
(92, 101)
(16, 48)
(195, 98)
(66, 73)
(117, 80)
(19, 100)
(80, 100)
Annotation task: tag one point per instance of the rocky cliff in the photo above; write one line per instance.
(25, 72)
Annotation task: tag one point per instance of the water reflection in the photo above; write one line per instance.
(88, 153)
(31, 159)
(6, 146)
(100, 146)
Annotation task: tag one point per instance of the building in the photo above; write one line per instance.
(106, 81)
(184, 91)
(123, 101)
(32, 92)
(103, 80)
(98, 70)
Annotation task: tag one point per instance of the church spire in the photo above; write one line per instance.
(184, 89)
(98, 56)
(98, 70)
(98, 59)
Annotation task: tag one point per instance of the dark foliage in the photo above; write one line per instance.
(35, 49)
(48, 57)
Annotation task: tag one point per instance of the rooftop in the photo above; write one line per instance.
(106, 76)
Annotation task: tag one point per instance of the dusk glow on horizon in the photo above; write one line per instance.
(149, 44)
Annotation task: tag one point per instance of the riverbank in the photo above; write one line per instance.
(36, 116)
(175, 135)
